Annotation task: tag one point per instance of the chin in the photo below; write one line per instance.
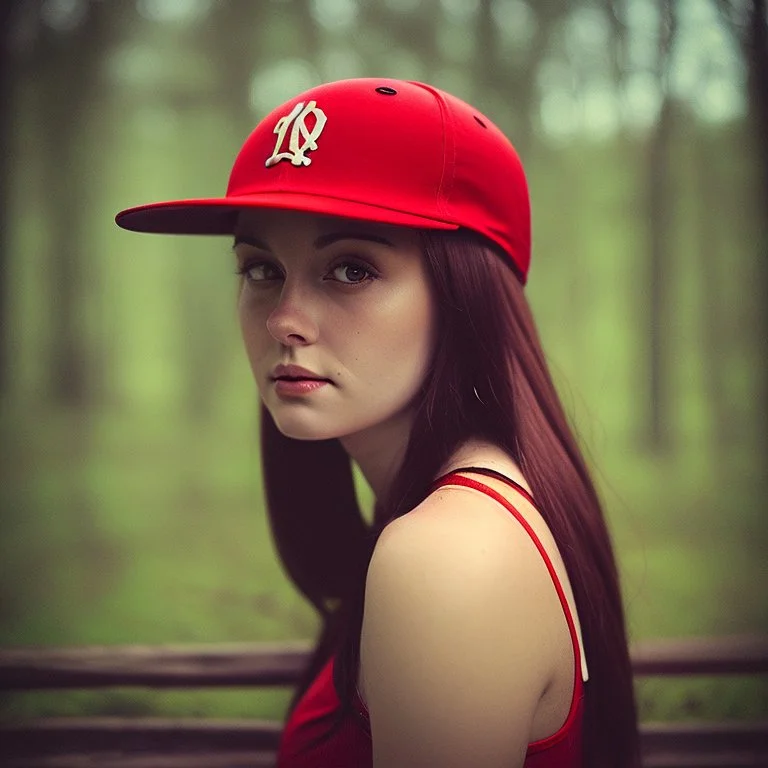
(300, 424)
(299, 428)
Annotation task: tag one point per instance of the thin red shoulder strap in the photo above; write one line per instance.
(453, 478)
(491, 473)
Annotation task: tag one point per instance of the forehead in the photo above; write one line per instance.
(275, 223)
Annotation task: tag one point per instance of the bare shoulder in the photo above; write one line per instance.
(456, 647)
(458, 532)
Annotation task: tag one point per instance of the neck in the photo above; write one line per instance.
(379, 451)
(481, 453)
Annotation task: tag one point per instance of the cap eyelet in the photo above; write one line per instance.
(386, 90)
(479, 121)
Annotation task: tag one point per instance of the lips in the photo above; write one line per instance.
(295, 373)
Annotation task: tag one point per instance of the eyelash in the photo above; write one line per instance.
(370, 272)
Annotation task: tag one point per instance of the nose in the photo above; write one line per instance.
(290, 323)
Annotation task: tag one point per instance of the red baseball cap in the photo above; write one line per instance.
(391, 151)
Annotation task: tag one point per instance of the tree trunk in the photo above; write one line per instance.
(7, 27)
(756, 55)
(66, 70)
(755, 49)
(658, 435)
(62, 113)
(658, 277)
(751, 33)
(714, 333)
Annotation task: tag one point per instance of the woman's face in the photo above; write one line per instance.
(337, 318)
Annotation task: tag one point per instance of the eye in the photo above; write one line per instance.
(352, 273)
(259, 271)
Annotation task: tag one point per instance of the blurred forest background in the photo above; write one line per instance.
(129, 483)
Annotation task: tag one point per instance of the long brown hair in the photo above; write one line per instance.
(488, 379)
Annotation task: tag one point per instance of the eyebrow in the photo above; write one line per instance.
(322, 242)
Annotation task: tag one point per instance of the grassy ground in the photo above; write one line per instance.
(125, 530)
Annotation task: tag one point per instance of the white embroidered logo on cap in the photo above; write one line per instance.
(297, 122)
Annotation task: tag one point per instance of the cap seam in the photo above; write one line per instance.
(448, 122)
(445, 185)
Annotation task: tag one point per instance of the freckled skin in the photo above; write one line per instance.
(308, 306)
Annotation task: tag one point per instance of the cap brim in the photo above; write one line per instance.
(217, 216)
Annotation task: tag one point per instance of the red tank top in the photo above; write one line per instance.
(302, 744)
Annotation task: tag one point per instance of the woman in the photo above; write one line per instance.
(382, 235)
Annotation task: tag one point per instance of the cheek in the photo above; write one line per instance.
(405, 336)
(252, 317)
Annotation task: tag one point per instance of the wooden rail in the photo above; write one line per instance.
(194, 743)
(219, 666)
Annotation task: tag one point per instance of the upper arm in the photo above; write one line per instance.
(454, 647)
